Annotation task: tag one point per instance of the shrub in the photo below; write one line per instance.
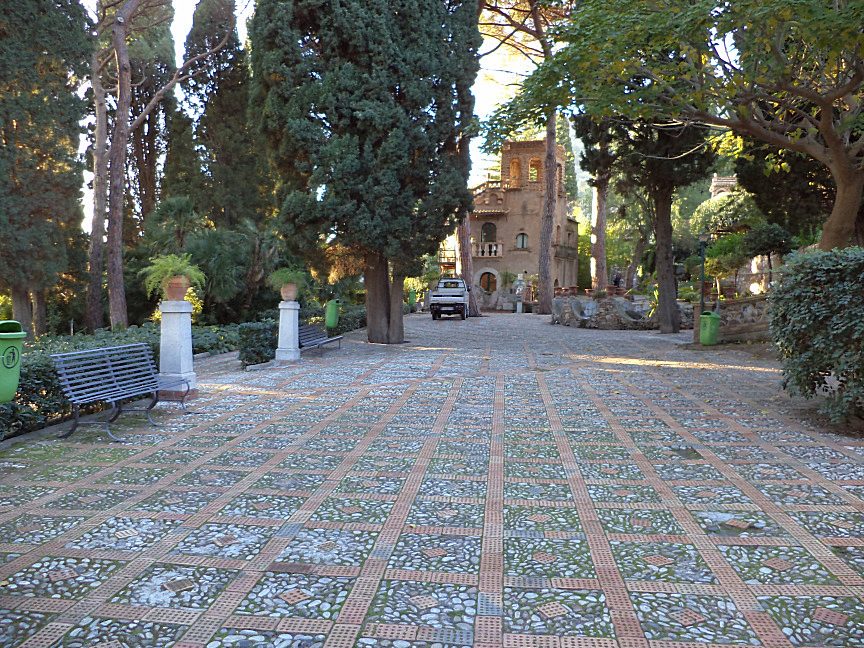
(817, 323)
(258, 341)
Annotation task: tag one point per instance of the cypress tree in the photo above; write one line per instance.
(361, 102)
(218, 95)
(44, 50)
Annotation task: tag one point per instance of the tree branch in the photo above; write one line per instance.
(179, 77)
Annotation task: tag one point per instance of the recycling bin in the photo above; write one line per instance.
(412, 297)
(709, 327)
(331, 313)
(11, 338)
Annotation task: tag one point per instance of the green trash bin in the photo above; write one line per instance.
(331, 313)
(11, 337)
(412, 297)
(709, 327)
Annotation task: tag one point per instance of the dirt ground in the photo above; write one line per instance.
(803, 410)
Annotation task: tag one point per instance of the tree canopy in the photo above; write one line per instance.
(786, 72)
(44, 49)
(364, 108)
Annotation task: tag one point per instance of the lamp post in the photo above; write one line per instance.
(703, 242)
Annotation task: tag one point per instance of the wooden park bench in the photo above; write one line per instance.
(314, 335)
(112, 374)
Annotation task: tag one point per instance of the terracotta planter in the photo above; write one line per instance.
(289, 292)
(176, 288)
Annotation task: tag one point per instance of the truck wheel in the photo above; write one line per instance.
(434, 316)
(462, 312)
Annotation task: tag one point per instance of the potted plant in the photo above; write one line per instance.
(287, 282)
(172, 275)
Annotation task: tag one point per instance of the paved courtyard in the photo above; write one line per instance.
(493, 482)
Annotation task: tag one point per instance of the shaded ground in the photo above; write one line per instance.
(494, 482)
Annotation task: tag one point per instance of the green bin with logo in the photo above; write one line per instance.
(709, 328)
(11, 338)
(331, 313)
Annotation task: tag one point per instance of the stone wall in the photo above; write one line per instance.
(743, 320)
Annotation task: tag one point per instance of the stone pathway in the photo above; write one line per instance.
(495, 482)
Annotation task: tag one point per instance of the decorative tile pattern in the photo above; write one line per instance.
(502, 484)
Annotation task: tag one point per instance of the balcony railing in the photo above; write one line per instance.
(494, 250)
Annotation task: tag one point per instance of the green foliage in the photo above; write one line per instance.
(174, 221)
(258, 341)
(507, 278)
(366, 132)
(40, 401)
(817, 323)
(767, 239)
(786, 72)
(232, 173)
(44, 55)
(725, 255)
(5, 307)
(726, 211)
(163, 268)
(797, 193)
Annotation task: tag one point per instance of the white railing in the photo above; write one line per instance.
(493, 250)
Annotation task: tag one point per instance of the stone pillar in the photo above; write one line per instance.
(175, 354)
(288, 349)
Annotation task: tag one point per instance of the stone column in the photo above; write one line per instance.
(288, 349)
(175, 354)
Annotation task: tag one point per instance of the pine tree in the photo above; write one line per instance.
(361, 102)
(44, 50)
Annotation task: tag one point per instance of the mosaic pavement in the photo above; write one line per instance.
(495, 482)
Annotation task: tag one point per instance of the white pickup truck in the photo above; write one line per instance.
(450, 298)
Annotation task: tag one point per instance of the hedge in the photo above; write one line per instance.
(817, 323)
(40, 398)
(258, 340)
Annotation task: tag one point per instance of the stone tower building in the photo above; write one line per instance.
(505, 223)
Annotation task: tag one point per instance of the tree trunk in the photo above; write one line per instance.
(639, 250)
(599, 278)
(377, 298)
(545, 289)
(22, 310)
(117, 169)
(463, 235)
(40, 313)
(667, 305)
(93, 318)
(396, 332)
(839, 230)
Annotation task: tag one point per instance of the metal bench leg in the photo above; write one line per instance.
(183, 399)
(151, 406)
(118, 407)
(74, 424)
